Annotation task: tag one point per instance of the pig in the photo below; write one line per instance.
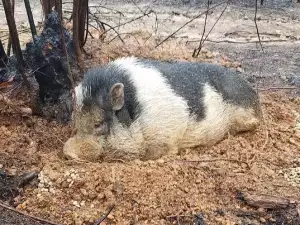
(137, 108)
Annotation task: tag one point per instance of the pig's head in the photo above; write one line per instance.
(96, 107)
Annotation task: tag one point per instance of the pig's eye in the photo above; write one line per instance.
(98, 124)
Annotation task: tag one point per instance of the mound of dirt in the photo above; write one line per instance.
(198, 186)
(202, 182)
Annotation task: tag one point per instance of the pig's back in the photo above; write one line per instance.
(187, 79)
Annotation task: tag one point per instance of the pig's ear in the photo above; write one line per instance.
(117, 96)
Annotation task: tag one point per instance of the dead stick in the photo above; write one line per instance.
(265, 201)
(27, 215)
(278, 88)
(105, 216)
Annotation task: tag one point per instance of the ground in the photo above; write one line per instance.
(197, 185)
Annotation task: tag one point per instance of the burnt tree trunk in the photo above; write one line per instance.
(9, 39)
(63, 43)
(83, 22)
(14, 38)
(76, 18)
(47, 6)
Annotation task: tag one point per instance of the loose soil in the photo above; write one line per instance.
(198, 185)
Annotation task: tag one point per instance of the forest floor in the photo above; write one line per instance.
(201, 186)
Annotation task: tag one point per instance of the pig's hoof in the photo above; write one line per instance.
(82, 149)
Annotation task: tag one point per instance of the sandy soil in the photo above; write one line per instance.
(174, 189)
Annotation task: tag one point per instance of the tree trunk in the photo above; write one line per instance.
(83, 15)
(9, 39)
(63, 43)
(47, 6)
(76, 14)
(14, 38)
(30, 18)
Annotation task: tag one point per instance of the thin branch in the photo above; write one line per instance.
(255, 21)
(99, 221)
(194, 18)
(201, 44)
(138, 7)
(25, 214)
(237, 42)
(278, 88)
(130, 21)
(197, 51)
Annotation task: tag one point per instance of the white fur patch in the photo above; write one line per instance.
(164, 115)
(79, 94)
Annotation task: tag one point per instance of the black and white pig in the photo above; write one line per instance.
(142, 108)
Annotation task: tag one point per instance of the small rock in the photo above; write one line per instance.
(101, 195)
(75, 203)
(64, 184)
(67, 174)
(92, 195)
(198, 181)
(110, 216)
(52, 190)
(83, 191)
(263, 220)
(44, 190)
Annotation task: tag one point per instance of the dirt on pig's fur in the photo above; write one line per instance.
(198, 185)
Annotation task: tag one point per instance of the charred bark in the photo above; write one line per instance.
(9, 39)
(83, 22)
(30, 18)
(14, 38)
(63, 43)
(47, 6)
(76, 18)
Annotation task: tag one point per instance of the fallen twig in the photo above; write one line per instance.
(26, 215)
(265, 201)
(278, 88)
(212, 160)
(237, 42)
(99, 221)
